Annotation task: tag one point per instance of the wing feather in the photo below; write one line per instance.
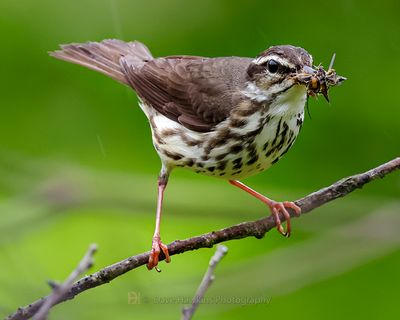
(197, 92)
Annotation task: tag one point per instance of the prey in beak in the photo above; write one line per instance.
(319, 81)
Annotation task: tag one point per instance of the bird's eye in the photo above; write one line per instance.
(272, 66)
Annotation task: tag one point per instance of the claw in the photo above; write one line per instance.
(278, 223)
(164, 249)
(156, 249)
(277, 207)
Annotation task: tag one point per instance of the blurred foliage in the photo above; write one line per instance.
(77, 165)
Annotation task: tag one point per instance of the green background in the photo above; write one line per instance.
(77, 164)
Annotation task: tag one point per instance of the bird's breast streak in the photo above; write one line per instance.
(229, 153)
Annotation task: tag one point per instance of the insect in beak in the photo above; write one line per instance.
(319, 81)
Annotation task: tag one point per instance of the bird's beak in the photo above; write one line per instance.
(308, 70)
(305, 75)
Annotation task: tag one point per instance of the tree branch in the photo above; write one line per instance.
(246, 229)
(60, 290)
(187, 313)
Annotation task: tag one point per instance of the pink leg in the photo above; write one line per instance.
(274, 206)
(157, 245)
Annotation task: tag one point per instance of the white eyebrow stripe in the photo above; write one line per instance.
(261, 60)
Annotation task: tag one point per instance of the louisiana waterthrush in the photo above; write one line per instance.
(225, 117)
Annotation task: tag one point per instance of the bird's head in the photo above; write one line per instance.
(279, 68)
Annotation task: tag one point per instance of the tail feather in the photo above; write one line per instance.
(105, 56)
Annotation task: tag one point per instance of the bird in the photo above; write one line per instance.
(225, 117)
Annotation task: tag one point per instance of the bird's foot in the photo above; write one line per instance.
(156, 249)
(276, 208)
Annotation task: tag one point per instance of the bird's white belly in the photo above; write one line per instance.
(237, 156)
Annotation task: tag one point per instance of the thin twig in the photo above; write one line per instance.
(246, 229)
(61, 290)
(187, 313)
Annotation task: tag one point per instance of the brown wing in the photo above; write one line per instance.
(197, 92)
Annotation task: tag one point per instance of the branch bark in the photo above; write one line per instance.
(256, 229)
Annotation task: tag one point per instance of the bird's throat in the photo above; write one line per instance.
(289, 103)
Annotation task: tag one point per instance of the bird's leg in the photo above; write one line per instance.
(157, 245)
(274, 206)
